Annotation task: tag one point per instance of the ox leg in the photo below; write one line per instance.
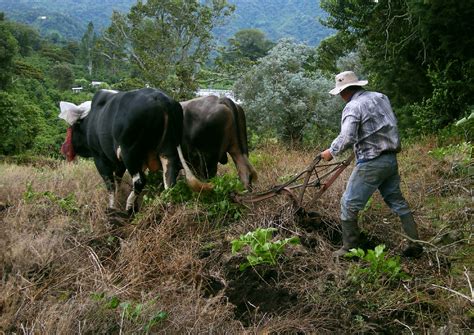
(211, 167)
(118, 175)
(119, 172)
(170, 170)
(107, 174)
(246, 172)
(139, 182)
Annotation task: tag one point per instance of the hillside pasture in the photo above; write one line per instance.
(70, 266)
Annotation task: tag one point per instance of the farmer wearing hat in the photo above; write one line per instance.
(369, 126)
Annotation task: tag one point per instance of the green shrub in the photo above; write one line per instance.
(178, 194)
(20, 122)
(450, 97)
(217, 203)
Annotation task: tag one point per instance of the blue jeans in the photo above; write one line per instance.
(381, 174)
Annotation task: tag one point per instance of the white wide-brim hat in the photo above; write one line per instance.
(346, 79)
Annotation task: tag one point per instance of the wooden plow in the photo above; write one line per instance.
(320, 176)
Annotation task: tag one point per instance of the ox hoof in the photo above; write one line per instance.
(111, 211)
(132, 211)
(116, 217)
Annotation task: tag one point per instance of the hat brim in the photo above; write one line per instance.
(337, 90)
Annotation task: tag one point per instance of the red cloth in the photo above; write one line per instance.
(67, 149)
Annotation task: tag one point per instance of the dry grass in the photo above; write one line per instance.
(70, 267)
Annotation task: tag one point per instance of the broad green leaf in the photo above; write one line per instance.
(379, 250)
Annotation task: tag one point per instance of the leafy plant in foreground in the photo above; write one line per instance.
(261, 249)
(379, 265)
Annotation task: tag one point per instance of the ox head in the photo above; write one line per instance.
(72, 114)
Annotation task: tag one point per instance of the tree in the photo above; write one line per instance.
(420, 53)
(19, 119)
(28, 39)
(8, 50)
(63, 76)
(331, 49)
(242, 51)
(282, 98)
(87, 47)
(167, 41)
(247, 43)
(112, 47)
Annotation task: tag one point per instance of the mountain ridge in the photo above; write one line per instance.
(278, 19)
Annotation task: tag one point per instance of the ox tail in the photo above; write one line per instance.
(239, 124)
(195, 184)
(241, 129)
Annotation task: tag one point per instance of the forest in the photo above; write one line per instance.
(68, 18)
(179, 264)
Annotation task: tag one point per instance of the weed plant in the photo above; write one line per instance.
(217, 203)
(144, 316)
(380, 266)
(67, 203)
(261, 249)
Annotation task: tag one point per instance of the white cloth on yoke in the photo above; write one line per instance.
(71, 112)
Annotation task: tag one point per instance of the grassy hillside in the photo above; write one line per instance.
(68, 266)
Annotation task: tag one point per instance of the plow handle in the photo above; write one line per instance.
(335, 175)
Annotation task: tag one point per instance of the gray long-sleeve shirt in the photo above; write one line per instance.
(369, 125)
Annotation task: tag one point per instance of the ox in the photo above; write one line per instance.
(212, 128)
(131, 131)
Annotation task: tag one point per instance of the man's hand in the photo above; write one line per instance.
(326, 155)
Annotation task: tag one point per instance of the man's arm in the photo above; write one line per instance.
(346, 138)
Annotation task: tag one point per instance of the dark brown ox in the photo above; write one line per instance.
(212, 128)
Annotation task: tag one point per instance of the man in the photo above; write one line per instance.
(369, 125)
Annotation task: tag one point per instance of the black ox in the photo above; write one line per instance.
(131, 131)
(212, 128)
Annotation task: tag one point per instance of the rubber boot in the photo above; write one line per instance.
(409, 226)
(350, 237)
